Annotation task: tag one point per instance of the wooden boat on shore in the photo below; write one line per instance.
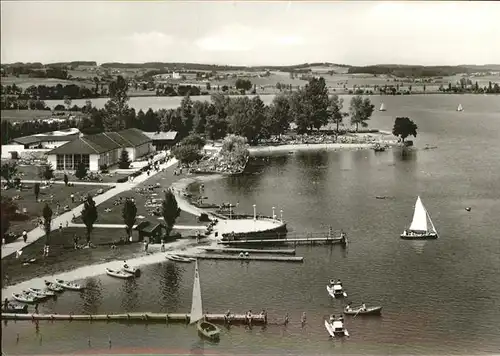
(336, 290)
(15, 309)
(42, 293)
(53, 287)
(206, 330)
(69, 285)
(177, 258)
(26, 298)
(422, 227)
(336, 328)
(360, 311)
(119, 274)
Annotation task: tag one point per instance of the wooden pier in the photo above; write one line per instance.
(138, 317)
(247, 258)
(250, 250)
(295, 241)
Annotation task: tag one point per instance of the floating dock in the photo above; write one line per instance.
(250, 250)
(296, 241)
(138, 317)
(247, 258)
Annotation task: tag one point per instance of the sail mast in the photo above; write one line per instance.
(196, 305)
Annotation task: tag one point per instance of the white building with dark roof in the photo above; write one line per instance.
(99, 150)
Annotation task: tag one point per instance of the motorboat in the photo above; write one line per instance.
(360, 311)
(119, 274)
(336, 328)
(336, 290)
(69, 285)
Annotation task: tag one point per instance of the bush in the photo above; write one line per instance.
(122, 179)
(104, 168)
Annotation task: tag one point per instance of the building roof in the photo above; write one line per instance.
(103, 142)
(63, 135)
(148, 227)
(158, 136)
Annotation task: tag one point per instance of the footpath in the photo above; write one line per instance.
(35, 234)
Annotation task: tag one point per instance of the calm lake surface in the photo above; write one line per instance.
(439, 297)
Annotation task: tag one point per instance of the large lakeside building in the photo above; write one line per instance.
(99, 150)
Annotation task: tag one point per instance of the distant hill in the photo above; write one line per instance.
(400, 70)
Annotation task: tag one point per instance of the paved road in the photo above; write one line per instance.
(122, 226)
(35, 234)
(33, 181)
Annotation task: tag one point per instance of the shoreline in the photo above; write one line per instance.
(290, 148)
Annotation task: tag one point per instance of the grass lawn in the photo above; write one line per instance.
(63, 256)
(59, 193)
(165, 179)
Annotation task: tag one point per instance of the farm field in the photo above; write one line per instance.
(29, 115)
(25, 82)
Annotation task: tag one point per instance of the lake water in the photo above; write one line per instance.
(439, 297)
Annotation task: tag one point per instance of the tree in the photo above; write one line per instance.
(47, 222)
(187, 153)
(46, 171)
(5, 218)
(129, 214)
(81, 171)
(361, 110)
(279, 116)
(116, 108)
(89, 215)
(36, 190)
(170, 210)
(317, 95)
(187, 115)
(193, 140)
(244, 84)
(246, 117)
(66, 179)
(335, 110)
(124, 162)
(404, 127)
(9, 170)
(216, 127)
(67, 102)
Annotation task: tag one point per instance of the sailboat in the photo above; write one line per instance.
(460, 108)
(382, 107)
(205, 329)
(421, 226)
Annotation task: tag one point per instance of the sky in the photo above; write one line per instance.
(252, 33)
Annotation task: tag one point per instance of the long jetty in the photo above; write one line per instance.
(247, 258)
(295, 241)
(139, 317)
(250, 250)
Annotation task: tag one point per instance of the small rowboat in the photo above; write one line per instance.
(132, 270)
(208, 331)
(177, 258)
(336, 328)
(119, 274)
(42, 293)
(359, 311)
(54, 287)
(27, 298)
(15, 309)
(69, 285)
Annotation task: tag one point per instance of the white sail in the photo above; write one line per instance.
(382, 107)
(196, 306)
(419, 222)
(460, 108)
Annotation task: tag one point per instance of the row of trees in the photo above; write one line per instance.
(44, 92)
